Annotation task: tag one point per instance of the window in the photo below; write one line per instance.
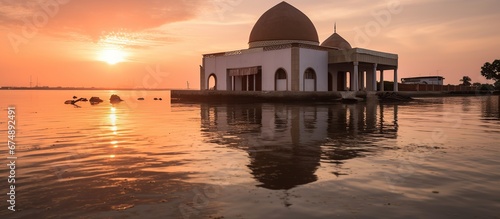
(280, 80)
(212, 82)
(309, 74)
(309, 82)
(280, 74)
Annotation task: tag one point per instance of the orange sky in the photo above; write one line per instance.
(158, 43)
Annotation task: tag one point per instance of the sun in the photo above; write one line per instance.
(112, 55)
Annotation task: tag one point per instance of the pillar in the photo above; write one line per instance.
(345, 80)
(254, 79)
(374, 81)
(247, 87)
(381, 80)
(396, 79)
(202, 76)
(369, 79)
(354, 79)
(334, 79)
(361, 80)
(295, 74)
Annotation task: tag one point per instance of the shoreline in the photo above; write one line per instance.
(83, 88)
(300, 96)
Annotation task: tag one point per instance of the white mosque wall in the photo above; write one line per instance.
(317, 60)
(309, 85)
(281, 85)
(270, 61)
(210, 66)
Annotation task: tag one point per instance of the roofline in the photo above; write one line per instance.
(302, 45)
(419, 77)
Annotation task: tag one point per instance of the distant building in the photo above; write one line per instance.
(423, 80)
(285, 54)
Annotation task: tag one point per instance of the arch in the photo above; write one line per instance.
(309, 80)
(280, 80)
(212, 79)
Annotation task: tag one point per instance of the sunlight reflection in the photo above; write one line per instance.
(114, 143)
(112, 118)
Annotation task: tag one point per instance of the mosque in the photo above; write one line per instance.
(284, 54)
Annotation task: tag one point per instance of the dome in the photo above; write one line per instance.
(281, 24)
(336, 41)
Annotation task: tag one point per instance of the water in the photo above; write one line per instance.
(433, 158)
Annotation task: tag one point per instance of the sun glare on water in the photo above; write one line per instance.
(112, 55)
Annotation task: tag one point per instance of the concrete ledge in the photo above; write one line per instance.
(294, 96)
(446, 93)
(254, 96)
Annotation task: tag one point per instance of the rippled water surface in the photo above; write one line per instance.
(432, 158)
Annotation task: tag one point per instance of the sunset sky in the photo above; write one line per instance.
(159, 43)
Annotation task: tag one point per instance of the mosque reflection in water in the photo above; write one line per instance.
(286, 143)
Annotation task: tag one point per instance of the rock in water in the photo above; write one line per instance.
(115, 99)
(95, 100)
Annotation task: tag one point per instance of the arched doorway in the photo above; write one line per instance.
(212, 82)
(280, 80)
(309, 80)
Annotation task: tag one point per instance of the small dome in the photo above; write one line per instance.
(283, 23)
(337, 42)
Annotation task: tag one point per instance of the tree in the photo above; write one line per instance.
(491, 70)
(466, 80)
(487, 87)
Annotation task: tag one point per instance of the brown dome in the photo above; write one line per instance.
(337, 42)
(283, 23)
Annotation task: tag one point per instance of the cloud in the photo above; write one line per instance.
(94, 17)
